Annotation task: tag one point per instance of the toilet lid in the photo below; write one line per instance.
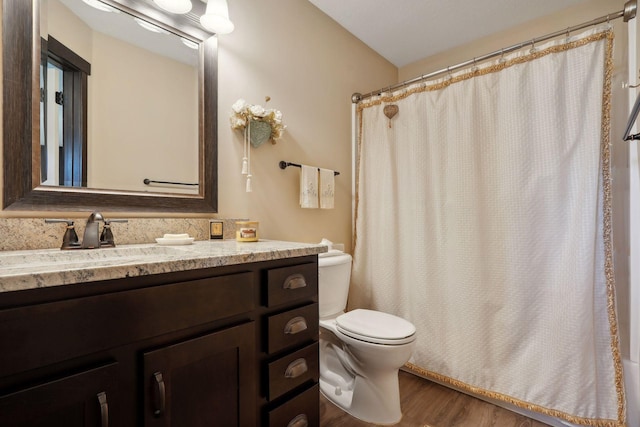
(375, 326)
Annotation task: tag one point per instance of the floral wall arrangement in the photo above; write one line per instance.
(259, 125)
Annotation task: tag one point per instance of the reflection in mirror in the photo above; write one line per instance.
(95, 165)
(121, 101)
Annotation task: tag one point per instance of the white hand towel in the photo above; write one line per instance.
(308, 187)
(327, 186)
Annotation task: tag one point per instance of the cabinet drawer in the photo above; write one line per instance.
(293, 370)
(48, 333)
(87, 398)
(301, 411)
(289, 284)
(292, 327)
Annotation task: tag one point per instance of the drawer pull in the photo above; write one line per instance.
(160, 395)
(295, 281)
(296, 368)
(295, 325)
(299, 421)
(104, 409)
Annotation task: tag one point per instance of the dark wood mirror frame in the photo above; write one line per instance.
(21, 126)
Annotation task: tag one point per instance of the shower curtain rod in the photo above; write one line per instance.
(629, 12)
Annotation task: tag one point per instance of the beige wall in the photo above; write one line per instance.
(143, 118)
(67, 28)
(309, 66)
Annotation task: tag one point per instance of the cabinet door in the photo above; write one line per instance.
(205, 381)
(86, 399)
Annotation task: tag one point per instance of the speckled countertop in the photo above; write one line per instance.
(21, 270)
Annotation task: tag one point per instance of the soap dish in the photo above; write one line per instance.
(175, 239)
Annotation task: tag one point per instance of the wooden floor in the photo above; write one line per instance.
(425, 403)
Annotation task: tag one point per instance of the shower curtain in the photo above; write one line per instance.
(483, 217)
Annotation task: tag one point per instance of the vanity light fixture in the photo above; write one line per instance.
(101, 6)
(174, 6)
(216, 17)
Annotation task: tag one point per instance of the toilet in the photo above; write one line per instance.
(361, 351)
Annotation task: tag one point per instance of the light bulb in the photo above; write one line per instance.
(149, 26)
(175, 6)
(216, 17)
(100, 6)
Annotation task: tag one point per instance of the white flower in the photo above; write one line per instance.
(237, 122)
(243, 113)
(239, 105)
(257, 110)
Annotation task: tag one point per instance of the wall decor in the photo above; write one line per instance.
(259, 125)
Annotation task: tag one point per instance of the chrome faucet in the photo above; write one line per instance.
(91, 238)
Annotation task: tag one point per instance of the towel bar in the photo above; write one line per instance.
(284, 165)
(148, 181)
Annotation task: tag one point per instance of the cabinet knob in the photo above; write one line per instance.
(160, 395)
(104, 409)
(299, 421)
(295, 325)
(296, 368)
(295, 281)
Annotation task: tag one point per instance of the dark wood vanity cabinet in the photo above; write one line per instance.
(184, 349)
(289, 348)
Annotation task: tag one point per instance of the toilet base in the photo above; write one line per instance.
(341, 398)
(383, 412)
(361, 377)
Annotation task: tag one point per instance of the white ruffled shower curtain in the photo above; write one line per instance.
(483, 217)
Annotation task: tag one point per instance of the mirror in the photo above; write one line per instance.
(25, 167)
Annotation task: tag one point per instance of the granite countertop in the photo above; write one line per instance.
(21, 270)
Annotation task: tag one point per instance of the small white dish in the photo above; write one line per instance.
(176, 236)
(175, 242)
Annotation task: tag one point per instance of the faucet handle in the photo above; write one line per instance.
(106, 237)
(70, 238)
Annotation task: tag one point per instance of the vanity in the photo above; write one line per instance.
(214, 333)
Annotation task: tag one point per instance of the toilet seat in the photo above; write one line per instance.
(376, 327)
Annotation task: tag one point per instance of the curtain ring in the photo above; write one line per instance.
(449, 76)
(568, 33)
(475, 65)
(608, 23)
(502, 60)
(533, 46)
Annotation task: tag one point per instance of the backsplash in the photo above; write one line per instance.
(34, 233)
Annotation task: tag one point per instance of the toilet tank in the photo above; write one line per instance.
(334, 275)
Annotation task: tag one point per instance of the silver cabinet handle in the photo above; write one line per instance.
(160, 395)
(295, 281)
(104, 409)
(295, 325)
(296, 368)
(299, 421)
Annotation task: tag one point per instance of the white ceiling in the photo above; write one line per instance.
(404, 31)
